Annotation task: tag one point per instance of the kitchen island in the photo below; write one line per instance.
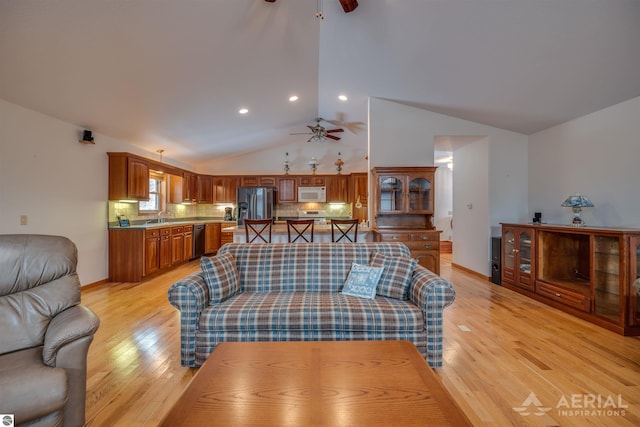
(321, 233)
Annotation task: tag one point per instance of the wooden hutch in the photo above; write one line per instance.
(592, 273)
(403, 207)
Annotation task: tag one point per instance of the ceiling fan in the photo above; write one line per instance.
(319, 133)
(347, 5)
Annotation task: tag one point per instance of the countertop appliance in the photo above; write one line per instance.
(319, 216)
(312, 194)
(228, 215)
(255, 203)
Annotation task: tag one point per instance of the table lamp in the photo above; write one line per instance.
(576, 202)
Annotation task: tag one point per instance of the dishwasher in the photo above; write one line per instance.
(198, 240)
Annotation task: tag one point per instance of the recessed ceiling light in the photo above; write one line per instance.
(293, 98)
(342, 97)
(243, 110)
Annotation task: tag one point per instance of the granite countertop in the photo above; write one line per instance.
(170, 224)
(282, 228)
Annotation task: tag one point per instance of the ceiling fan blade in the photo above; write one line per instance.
(335, 130)
(349, 5)
(335, 138)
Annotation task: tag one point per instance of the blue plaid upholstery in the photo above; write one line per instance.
(292, 292)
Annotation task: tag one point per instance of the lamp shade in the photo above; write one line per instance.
(577, 200)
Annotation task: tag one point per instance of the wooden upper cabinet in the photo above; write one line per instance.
(359, 188)
(311, 180)
(205, 188)
(225, 188)
(258, 181)
(128, 177)
(189, 187)
(336, 188)
(287, 190)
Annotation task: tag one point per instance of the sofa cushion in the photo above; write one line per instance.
(396, 277)
(362, 281)
(310, 311)
(320, 267)
(221, 277)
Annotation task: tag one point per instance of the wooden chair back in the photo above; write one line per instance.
(257, 229)
(343, 229)
(300, 229)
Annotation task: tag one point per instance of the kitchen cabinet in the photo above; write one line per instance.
(337, 187)
(152, 251)
(287, 190)
(226, 237)
(359, 188)
(225, 188)
(128, 177)
(311, 181)
(181, 244)
(588, 272)
(517, 262)
(211, 238)
(189, 187)
(258, 181)
(188, 242)
(423, 244)
(204, 185)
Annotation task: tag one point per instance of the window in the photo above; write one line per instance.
(155, 203)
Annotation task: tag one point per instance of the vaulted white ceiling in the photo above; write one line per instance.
(172, 75)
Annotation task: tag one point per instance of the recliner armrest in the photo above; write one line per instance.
(72, 324)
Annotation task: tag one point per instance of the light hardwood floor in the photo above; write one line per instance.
(500, 349)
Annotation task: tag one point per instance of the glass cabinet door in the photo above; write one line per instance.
(420, 195)
(509, 250)
(390, 194)
(524, 253)
(606, 277)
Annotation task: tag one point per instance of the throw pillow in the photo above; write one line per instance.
(396, 276)
(362, 281)
(221, 276)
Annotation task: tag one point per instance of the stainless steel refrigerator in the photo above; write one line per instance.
(255, 203)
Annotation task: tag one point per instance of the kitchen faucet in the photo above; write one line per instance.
(161, 220)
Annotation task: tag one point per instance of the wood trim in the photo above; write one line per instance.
(94, 284)
(472, 272)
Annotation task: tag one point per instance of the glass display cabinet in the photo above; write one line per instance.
(592, 273)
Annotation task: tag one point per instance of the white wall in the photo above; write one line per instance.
(270, 161)
(596, 155)
(505, 176)
(60, 184)
(444, 201)
(471, 205)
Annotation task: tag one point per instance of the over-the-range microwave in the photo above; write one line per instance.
(312, 194)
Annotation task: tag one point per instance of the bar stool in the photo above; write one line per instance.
(300, 227)
(259, 229)
(340, 229)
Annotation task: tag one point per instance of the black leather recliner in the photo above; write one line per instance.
(44, 331)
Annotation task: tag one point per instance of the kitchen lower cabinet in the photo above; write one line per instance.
(136, 253)
(211, 238)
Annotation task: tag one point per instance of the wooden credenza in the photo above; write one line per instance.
(588, 272)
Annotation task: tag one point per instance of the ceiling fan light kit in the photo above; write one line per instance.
(319, 133)
(347, 6)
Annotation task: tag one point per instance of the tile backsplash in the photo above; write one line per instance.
(216, 210)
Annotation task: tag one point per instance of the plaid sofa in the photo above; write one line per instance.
(291, 292)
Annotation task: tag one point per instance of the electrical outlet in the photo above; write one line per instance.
(23, 220)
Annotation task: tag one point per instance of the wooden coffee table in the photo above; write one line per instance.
(319, 383)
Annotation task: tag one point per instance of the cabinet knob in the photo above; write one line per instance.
(427, 245)
(425, 238)
(395, 237)
(558, 295)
